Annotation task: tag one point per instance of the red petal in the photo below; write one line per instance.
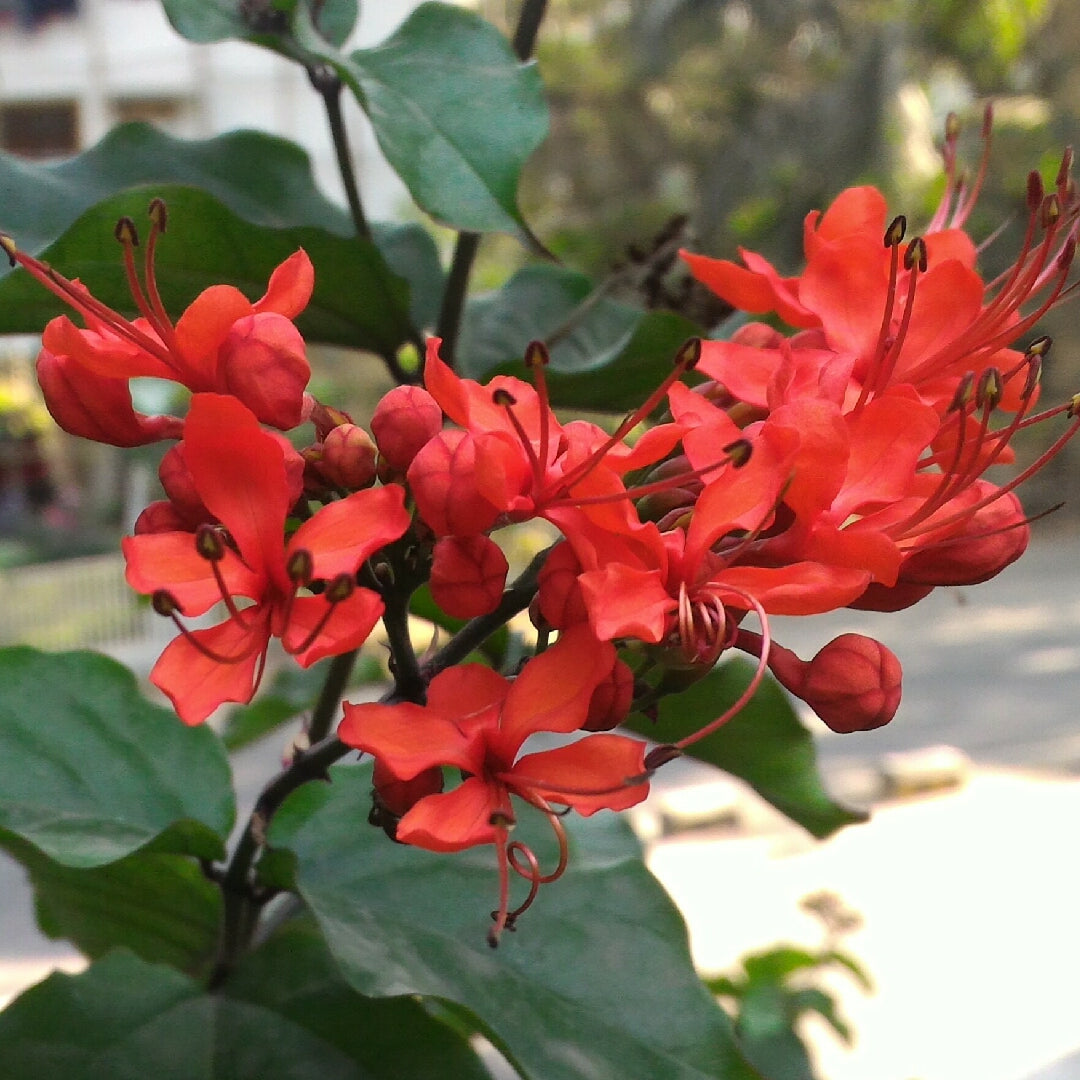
(197, 684)
(452, 821)
(201, 330)
(597, 763)
(342, 534)
(169, 561)
(466, 691)
(263, 361)
(347, 628)
(290, 286)
(239, 471)
(408, 738)
(552, 692)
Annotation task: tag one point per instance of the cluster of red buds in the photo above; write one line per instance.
(842, 464)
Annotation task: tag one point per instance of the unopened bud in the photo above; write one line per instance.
(403, 421)
(611, 700)
(853, 683)
(348, 458)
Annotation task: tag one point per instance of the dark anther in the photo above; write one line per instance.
(9, 247)
(300, 567)
(503, 397)
(164, 603)
(126, 232)
(159, 214)
(536, 353)
(689, 354)
(208, 543)
(894, 234)
(739, 451)
(915, 254)
(340, 588)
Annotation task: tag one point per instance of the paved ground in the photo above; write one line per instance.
(970, 898)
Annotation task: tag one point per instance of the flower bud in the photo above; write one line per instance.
(611, 700)
(393, 798)
(853, 683)
(264, 363)
(559, 598)
(468, 575)
(348, 458)
(405, 419)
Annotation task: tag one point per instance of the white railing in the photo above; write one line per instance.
(74, 604)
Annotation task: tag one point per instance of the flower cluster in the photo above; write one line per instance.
(841, 464)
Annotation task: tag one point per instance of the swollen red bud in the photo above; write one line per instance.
(853, 683)
(393, 798)
(559, 597)
(404, 420)
(611, 700)
(348, 458)
(468, 575)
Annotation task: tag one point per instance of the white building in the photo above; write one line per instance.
(71, 69)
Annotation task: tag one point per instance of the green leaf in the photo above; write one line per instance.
(160, 906)
(90, 771)
(604, 354)
(206, 244)
(336, 19)
(207, 21)
(262, 178)
(294, 975)
(764, 744)
(597, 981)
(410, 251)
(453, 110)
(767, 1036)
(124, 1019)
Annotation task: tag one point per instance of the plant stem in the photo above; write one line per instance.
(322, 716)
(528, 26)
(410, 683)
(328, 84)
(457, 286)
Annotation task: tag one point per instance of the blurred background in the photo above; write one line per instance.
(722, 122)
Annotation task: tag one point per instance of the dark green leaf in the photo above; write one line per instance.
(160, 906)
(597, 981)
(264, 179)
(335, 19)
(294, 975)
(206, 21)
(775, 965)
(207, 244)
(454, 112)
(604, 354)
(90, 771)
(813, 1000)
(410, 252)
(124, 1019)
(764, 744)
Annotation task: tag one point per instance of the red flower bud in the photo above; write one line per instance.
(468, 574)
(559, 599)
(853, 683)
(445, 483)
(611, 700)
(348, 458)
(393, 798)
(179, 485)
(264, 363)
(403, 421)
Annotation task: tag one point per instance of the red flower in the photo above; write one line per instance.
(919, 317)
(476, 720)
(239, 471)
(223, 343)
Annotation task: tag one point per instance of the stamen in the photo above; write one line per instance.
(536, 359)
(755, 682)
(338, 589)
(211, 547)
